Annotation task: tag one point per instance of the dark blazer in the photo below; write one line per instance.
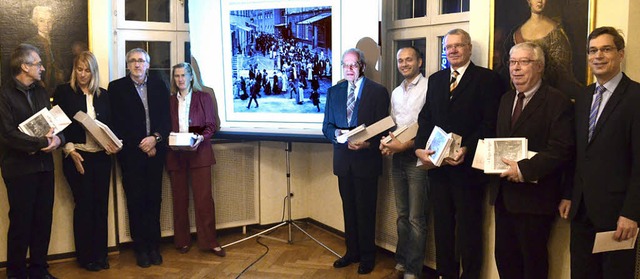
(71, 101)
(201, 115)
(20, 153)
(470, 113)
(129, 121)
(372, 106)
(607, 178)
(547, 123)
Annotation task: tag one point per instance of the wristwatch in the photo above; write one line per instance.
(158, 137)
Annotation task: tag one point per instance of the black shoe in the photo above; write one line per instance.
(155, 258)
(104, 263)
(365, 268)
(142, 259)
(343, 262)
(92, 267)
(47, 275)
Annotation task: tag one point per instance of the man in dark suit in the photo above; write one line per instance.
(140, 106)
(606, 193)
(351, 103)
(462, 99)
(27, 166)
(529, 192)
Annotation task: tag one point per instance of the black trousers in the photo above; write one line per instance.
(359, 197)
(458, 213)
(91, 196)
(521, 243)
(31, 206)
(142, 183)
(584, 264)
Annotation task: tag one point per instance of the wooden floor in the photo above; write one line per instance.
(301, 259)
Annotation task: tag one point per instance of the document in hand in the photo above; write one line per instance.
(38, 125)
(604, 242)
(363, 133)
(97, 130)
(184, 141)
(514, 149)
(444, 144)
(404, 133)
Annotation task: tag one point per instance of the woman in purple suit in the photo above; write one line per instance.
(192, 111)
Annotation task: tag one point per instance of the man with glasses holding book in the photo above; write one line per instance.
(530, 192)
(462, 99)
(27, 166)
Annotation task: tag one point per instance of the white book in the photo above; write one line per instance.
(39, 124)
(373, 130)
(344, 137)
(444, 144)
(183, 141)
(514, 149)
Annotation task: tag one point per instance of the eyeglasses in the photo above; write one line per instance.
(523, 62)
(351, 66)
(133, 61)
(454, 46)
(604, 50)
(38, 64)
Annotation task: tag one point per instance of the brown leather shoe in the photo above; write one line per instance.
(184, 249)
(218, 251)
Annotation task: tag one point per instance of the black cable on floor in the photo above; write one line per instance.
(284, 205)
(257, 260)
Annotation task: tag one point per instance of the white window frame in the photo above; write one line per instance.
(176, 18)
(430, 27)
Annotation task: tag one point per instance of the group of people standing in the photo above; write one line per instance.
(585, 166)
(141, 112)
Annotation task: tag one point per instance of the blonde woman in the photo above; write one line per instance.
(86, 165)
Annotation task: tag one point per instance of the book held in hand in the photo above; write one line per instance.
(363, 133)
(514, 149)
(404, 133)
(444, 145)
(98, 130)
(39, 124)
(184, 141)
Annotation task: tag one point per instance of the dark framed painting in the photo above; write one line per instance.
(560, 27)
(59, 28)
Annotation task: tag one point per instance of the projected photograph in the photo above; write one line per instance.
(281, 60)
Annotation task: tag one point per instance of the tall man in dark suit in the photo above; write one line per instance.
(606, 193)
(140, 106)
(27, 166)
(529, 192)
(462, 99)
(351, 103)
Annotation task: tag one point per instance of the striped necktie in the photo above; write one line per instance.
(454, 81)
(593, 114)
(351, 102)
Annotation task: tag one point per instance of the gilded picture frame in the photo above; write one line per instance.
(564, 45)
(59, 28)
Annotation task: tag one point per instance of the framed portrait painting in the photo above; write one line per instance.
(58, 28)
(560, 27)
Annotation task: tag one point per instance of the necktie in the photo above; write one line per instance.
(518, 109)
(30, 99)
(351, 101)
(593, 114)
(454, 81)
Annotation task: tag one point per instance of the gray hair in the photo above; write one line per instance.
(538, 53)
(140, 50)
